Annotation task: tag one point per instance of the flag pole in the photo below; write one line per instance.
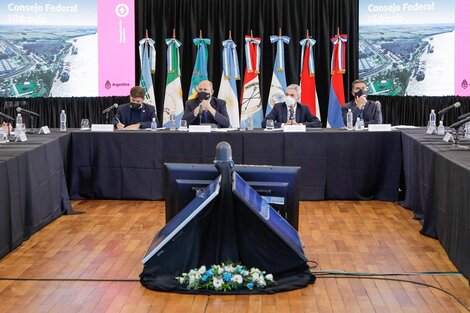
(230, 34)
(251, 32)
(307, 34)
(200, 34)
(174, 34)
(280, 32)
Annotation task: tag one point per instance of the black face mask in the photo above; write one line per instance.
(203, 95)
(361, 92)
(135, 105)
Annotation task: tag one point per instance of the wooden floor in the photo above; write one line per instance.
(109, 240)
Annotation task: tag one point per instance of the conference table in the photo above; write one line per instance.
(437, 181)
(33, 189)
(335, 164)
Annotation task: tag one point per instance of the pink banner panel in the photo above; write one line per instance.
(462, 60)
(116, 47)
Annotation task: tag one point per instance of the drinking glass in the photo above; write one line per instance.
(85, 124)
(183, 124)
(269, 124)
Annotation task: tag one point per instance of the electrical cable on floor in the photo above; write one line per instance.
(123, 280)
(362, 276)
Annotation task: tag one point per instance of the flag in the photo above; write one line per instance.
(200, 66)
(228, 87)
(147, 53)
(278, 81)
(251, 92)
(338, 68)
(307, 77)
(173, 92)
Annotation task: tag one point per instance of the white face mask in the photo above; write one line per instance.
(289, 101)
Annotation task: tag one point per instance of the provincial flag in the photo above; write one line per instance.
(338, 68)
(308, 87)
(251, 92)
(173, 93)
(228, 87)
(147, 53)
(200, 66)
(278, 81)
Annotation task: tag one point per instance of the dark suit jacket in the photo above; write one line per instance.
(221, 118)
(302, 115)
(371, 115)
(147, 112)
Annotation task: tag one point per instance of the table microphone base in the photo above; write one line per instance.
(457, 147)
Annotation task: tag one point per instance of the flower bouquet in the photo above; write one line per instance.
(225, 277)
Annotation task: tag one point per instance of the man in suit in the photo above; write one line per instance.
(136, 114)
(205, 108)
(367, 110)
(291, 111)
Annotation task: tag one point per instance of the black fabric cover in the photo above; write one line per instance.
(226, 231)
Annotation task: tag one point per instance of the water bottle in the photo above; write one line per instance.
(63, 121)
(172, 121)
(19, 124)
(250, 122)
(358, 123)
(349, 120)
(432, 119)
(242, 126)
(441, 129)
(153, 125)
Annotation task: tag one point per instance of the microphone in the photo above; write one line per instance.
(110, 108)
(460, 123)
(7, 117)
(444, 110)
(19, 110)
(463, 116)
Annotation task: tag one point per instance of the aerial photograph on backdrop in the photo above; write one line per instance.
(401, 52)
(40, 56)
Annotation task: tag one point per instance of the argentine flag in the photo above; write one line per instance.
(278, 81)
(228, 87)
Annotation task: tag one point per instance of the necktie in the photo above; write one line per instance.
(291, 114)
(205, 116)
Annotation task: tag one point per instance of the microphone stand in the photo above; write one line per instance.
(455, 146)
(31, 130)
(107, 117)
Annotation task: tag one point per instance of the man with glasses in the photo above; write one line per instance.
(367, 110)
(205, 108)
(291, 111)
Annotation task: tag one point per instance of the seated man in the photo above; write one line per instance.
(291, 111)
(206, 109)
(367, 110)
(136, 114)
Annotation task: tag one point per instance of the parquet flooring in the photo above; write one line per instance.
(108, 241)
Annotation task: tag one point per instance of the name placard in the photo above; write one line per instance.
(102, 127)
(22, 137)
(380, 127)
(44, 130)
(199, 128)
(294, 128)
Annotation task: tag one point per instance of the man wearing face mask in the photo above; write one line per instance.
(205, 108)
(360, 107)
(291, 111)
(136, 114)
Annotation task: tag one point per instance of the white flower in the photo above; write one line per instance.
(245, 273)
(202, 269)
(191, 280)
(237, 278)
(269, 277)
(181, 279)
(255, 276)
(197, 276)
(261, 282)
(217, 282)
